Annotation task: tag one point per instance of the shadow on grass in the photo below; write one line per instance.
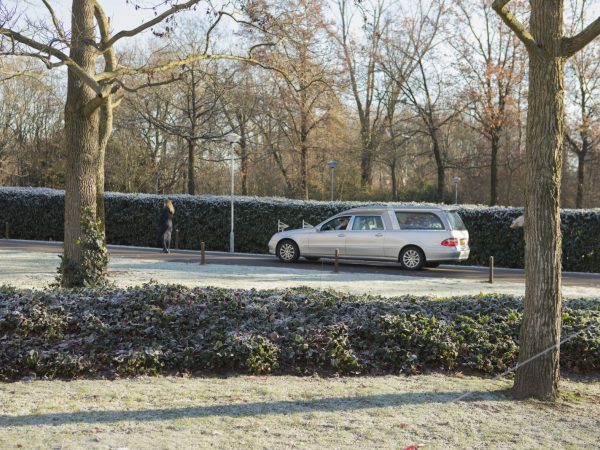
(251, 409)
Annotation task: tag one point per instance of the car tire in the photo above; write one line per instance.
(432, 265)
(312, 258)
(412, 258)
(287, 251)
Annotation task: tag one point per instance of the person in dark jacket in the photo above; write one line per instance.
(165, 226)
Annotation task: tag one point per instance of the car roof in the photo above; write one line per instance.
(383, 208)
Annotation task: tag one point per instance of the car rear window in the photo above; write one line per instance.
(418, 221)
(455, 221)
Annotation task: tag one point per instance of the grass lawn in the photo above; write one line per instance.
(289, 412)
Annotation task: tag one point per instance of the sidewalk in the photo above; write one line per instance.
(38, 269)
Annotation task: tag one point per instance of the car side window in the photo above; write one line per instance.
(337, 224)
(367, 223)
(419, 221)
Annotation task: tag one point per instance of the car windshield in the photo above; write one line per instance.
(455, 221)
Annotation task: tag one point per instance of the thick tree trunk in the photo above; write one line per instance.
(540, 329)
(81, 137)
(494, 170)
(580, 179)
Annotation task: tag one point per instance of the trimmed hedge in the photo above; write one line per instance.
(158, 329)
(132, 219)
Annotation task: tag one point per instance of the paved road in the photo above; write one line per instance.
(188, 256)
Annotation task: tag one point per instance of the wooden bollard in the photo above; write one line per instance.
(202, 253)
(336, 260)
(491, 269)
(176, 237)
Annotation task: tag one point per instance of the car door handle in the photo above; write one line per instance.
(341, 235)
(379, 234)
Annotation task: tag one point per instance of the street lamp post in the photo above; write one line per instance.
(332, 165)
(456, 181)
(232, 138)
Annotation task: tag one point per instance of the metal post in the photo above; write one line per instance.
(331, 176)
(202, 253)
(231, 233)
(176, 237)
(336, 260)
(456, 193)
(491, 278)
(456, 181)
(332, 165)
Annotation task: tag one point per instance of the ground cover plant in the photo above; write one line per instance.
(131, 219)
(162, 329)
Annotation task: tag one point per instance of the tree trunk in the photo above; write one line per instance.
(441, 172)
(366, 162)
(540, 329)
(105, 130)
(243, 156)
(191, 163)
(304, 169)
(494, 169)
(81, 138)
(580, 179)
(394, 179)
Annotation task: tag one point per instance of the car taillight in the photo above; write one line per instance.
(452, 242)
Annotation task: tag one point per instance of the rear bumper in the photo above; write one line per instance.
(451, 256)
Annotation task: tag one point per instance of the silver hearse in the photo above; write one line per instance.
(414, 236)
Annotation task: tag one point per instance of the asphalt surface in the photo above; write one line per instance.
(244, 259)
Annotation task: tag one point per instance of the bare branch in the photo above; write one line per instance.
(56, 23)
(517, 27)
(572, 45)
(158, 19)
(149, 84)
(51, 51)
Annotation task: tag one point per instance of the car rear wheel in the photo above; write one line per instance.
(287, 251)
(412, 258)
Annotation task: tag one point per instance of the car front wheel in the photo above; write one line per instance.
(412, 258)
(287, 251)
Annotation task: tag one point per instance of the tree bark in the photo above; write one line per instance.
(540, 328)
(81, 136)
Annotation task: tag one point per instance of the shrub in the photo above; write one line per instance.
(131, 219)
(158, 329)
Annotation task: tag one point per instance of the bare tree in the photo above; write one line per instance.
(491, 63)
(583, 72)
(548, 49)
(91, 96)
